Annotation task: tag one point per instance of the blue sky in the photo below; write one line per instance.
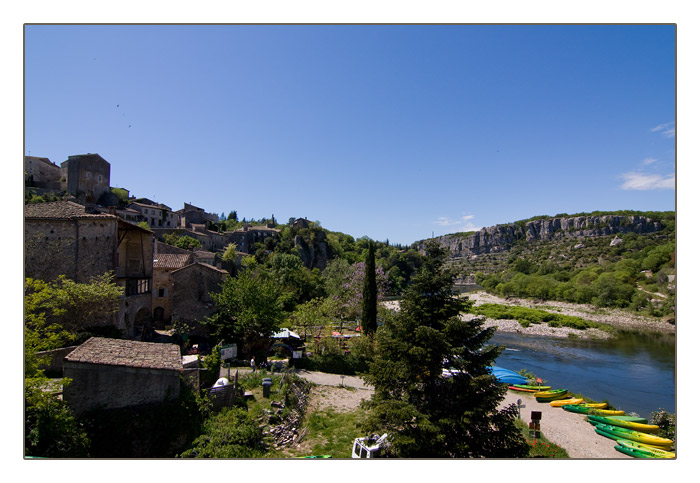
(393, 132)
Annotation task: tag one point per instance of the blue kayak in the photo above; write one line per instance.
(506, 376)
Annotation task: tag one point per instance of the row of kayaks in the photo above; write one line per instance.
(633, 435)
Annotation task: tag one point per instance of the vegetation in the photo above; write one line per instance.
(185, 242)
(426, 414)
(526, 316)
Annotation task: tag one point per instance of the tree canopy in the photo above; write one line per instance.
(425, 413)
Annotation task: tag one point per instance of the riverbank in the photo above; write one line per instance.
(618, 319)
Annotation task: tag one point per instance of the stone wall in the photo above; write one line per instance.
(191, 288)
(86, 173)
(54, 360)
(104, 386)
(79, 249)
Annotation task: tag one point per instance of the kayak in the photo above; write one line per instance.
(644, 448)
(622, 423)
(615, 432)
(562, 402)
(521, 389)
(602, 405)
(547, 396)
(531, 387)
(579, 408)
(507, 376)
(634, 419)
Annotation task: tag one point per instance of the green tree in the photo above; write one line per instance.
(185, 242)
(56, 311)
(248, 308)
(426, 414)
(369, 294)
(229, 434)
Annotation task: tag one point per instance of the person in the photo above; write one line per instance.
(252, 363)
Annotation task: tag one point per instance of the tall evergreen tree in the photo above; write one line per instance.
(427, 414)
(369, 294)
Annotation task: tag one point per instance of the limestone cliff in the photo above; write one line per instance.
(500, 238)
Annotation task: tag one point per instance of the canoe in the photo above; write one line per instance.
(634, 419)
(616, 432)
(658, 453)
(521, 389)
(579, 408)
(562, 402)
(602, 405)
(506, 376)
(532, 388)
(623, 423)
(547, 396)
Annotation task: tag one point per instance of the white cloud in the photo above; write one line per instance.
(461, 224)
(645, 182)
(667, 129)
(649, 161)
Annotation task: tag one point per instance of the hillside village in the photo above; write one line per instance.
(87, 233)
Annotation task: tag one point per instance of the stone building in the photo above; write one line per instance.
(87, 176)
(163, 266)
(116, 373)
(192, 214)
(156, 215)
(65, 238)
(192, 286)
(42, 173)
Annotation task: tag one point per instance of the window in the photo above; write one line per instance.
(161, 292)
(88, 175)
(136, 286)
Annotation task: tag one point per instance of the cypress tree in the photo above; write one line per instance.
(369, 294)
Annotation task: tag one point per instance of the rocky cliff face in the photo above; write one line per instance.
(500, 238)
(314, 255)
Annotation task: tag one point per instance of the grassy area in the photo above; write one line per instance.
(526, 316)
(329, 432)
(540, 447)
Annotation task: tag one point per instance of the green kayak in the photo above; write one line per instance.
(615, 432)
(642, 449)
(623, 423)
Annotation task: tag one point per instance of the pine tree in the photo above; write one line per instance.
(369, 294)
(427, 414)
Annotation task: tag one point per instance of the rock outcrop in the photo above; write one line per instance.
(501, 238)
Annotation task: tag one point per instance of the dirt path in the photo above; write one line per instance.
(568, 430)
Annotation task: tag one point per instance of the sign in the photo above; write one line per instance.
(229, 351)
(296, 354)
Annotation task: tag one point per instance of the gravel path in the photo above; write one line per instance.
(568, 430)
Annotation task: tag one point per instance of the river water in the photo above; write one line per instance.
(635, 373)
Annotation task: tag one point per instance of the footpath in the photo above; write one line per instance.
(568, 430)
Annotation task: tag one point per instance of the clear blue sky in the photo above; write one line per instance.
(393, 132)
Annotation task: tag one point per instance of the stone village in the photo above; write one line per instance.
(87, 234)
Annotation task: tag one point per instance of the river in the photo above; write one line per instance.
(635, 373)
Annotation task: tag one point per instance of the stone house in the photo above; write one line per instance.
(117, 373)
(42, 173)
(156, 215)
(65, 238)
(190, 214)
(163, 266)
(86, 175)
(191, 288)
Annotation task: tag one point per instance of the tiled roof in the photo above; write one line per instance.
(171, 260)
(128, 353)
(65, 210)
(202, 265)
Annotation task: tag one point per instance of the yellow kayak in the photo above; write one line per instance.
(561, 402)
(606, 412)
(660, 453)
(594, 405)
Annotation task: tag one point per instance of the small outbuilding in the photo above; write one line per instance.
(116, 373)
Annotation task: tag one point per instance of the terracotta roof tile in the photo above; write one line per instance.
(171, 260)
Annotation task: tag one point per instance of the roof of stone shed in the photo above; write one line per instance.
(128, 353)
(65, 210)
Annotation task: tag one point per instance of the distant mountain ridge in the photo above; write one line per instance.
(501, 238)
